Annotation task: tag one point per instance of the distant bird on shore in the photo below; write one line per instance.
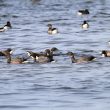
(52, 30)
(85, 25)
(6, 27)
(83, 12)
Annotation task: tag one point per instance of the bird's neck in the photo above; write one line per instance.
(9, 59)
(73, 59)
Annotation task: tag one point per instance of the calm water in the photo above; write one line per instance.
(60, 85)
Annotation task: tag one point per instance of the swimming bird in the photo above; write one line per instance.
(83, 12)
(56, 52)
(41, 58)
(6, 27)
(48, 57)
(16, 60)
(83, 59)
(6, 52)
(53, 49)
(52, 30)
(85, 25)
(33, 55)
(105, 53)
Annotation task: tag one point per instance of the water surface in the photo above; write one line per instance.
(60, 85)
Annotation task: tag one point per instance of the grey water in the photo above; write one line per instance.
(60, 85)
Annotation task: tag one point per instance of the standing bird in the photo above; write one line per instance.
(52, 30)
(6, 27)
(85, 25)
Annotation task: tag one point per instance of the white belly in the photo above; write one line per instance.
(85, 26)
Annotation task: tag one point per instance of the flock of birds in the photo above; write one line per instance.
(48, 54)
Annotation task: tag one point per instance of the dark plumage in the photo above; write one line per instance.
(16, 60)
(43, 57)
(53, 49)
(6, 27)
(6, 52)
(105, 53)
(33, 55)
(81, 59)
(83, 12)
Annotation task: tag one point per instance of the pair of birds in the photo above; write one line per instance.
(85, 24)
(42, 57)
(52, 30)
(47, 56)
(6, 27)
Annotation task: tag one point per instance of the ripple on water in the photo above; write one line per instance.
(60, 85)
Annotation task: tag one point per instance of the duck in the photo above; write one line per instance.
(33, 55)
(83, 59)
(6, 27)
(83, 12)
(52, 30)
(6, 52)
(41, 58)
(17, 60)
(105, 53)
(54, 49)
(47, 57)
(51, 50)
(85, 25)
(56, 52)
